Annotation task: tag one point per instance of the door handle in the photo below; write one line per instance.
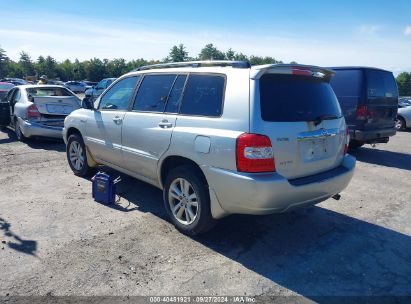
(165, 124)
(117, 120)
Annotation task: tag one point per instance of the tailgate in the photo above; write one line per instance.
(300, 114)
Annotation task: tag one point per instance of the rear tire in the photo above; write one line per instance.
(77, 156)
(17, 130)
(187, 200)
(400, 124)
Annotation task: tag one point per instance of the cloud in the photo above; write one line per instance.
(369, 30)
(73, 37)
(407, 30)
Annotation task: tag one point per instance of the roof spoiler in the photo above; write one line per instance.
(292, 69)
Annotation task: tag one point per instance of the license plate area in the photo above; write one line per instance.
(59, 109)
(314, 149)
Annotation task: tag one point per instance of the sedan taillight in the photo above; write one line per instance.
(33, 112)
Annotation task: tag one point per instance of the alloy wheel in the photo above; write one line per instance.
(183, 201)
(76, 155)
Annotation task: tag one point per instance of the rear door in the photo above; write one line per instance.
(303, 120)
(148, 127)
(382, 100)
(5, 108)
(347, 85)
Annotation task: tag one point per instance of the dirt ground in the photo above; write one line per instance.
(55, 240)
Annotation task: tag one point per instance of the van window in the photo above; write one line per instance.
(347, 83)
(286, 98)
(381, 84)
(203, 95)
(153, 93)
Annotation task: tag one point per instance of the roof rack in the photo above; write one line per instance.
(197, 64)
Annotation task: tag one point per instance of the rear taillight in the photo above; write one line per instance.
(362, 113)
(347, 140)
(33, 112)
(254, 153)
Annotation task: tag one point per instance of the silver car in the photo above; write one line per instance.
(76, 86)
(403, 117)
(38, 110)
(218, 138)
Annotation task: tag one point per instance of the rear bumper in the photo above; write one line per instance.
(238, 192)
(30, 129)
(372, 135)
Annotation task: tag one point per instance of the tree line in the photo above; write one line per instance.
(96, 69)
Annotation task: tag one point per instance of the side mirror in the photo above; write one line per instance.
(87, 104)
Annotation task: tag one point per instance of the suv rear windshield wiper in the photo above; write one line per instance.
(320, 118)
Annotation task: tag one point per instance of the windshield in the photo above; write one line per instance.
(6, 86)
(44, 91)
(286, 98)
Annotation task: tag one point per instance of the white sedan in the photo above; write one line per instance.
(37, 110)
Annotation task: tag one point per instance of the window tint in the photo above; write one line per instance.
(153, 92)
(118, 96)
(203, 95)
(381, 84)
(173, 101)
(16, 96)
(102, 84)
(347, 83)
(44, 91)
(296, 98)
(109, 81)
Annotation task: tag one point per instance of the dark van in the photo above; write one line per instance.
(369, 101)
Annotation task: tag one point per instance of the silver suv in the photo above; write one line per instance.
(218, 137)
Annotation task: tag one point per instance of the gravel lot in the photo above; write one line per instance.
(55, 240)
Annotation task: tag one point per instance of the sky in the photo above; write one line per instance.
(326, 33)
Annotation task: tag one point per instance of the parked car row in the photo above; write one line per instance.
(219, 137)
(403, 121)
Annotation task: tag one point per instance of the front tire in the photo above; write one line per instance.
(187, 200)
(77, 156)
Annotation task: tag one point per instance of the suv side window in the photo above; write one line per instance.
(153, 93)
(173, 101)
(118, 97)
(203, 95)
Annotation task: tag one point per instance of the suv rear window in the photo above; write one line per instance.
(381, 84)
(203, 95)
(285, 98)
